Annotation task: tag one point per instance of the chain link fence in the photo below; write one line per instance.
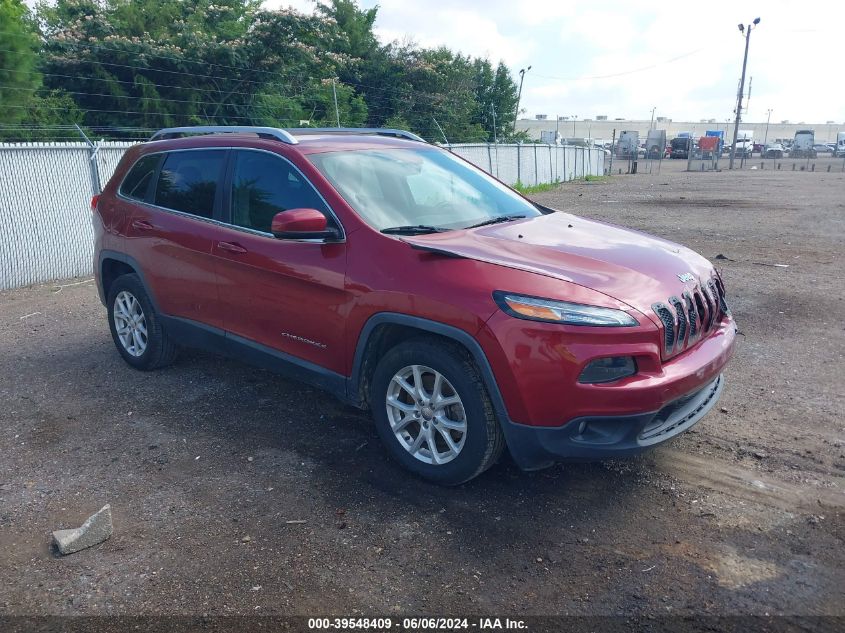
(45, 221)
(46, 189)
(533, 164)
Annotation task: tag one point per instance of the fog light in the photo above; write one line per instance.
(608, 369)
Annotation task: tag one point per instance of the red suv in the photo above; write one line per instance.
(406, 281)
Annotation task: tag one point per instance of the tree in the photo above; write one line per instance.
(19, 78)
(133, 65)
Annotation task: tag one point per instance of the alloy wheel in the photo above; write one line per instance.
(130, 323)
(426, 414)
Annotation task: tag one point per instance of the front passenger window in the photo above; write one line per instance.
(264, 185)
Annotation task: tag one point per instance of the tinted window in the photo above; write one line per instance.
(188, 180)
(138, 179)
(264, 185)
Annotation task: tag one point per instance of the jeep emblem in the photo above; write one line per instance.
(685, 277)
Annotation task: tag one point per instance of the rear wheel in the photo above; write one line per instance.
(433, 412)
(135, 327)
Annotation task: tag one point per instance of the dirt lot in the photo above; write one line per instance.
(744, 514)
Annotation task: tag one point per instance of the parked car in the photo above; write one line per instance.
(823, 148)
(774, 150)
(406, 281)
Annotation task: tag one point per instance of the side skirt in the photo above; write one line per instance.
(200, 336)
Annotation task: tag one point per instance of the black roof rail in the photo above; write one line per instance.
(264, 132)
(379, 131)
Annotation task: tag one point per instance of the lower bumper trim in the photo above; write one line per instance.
(603, 437)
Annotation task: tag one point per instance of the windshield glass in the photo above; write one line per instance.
(403, 187)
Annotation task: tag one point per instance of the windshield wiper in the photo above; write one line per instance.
(497, 220)
(412, 229)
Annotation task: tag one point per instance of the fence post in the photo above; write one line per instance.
(93, 168)
(563, 152)
(536, 171)
(490, 158)
(551, 169)
(519, 163)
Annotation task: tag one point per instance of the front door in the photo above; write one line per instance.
(284, 294)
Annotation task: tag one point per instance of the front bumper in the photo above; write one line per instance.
(605, 437)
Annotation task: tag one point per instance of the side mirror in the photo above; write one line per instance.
(301, 224)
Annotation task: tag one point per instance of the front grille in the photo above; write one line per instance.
(688, 318)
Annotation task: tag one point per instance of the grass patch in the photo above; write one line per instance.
(529, 189)
(548, 186)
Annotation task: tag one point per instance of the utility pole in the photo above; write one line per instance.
(766, 137)
(651, 125)
(336, 110)
(519, 96)
(747, 32)
(574, 117)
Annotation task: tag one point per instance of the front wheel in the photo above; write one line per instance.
(433, 412)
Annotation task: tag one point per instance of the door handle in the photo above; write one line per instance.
(231, 247)
(142, 225)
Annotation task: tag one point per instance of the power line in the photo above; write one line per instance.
(627, 72)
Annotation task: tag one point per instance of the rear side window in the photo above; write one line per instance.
(264, 185)
(188, 181)
(138, 180)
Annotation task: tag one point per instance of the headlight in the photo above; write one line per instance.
(548, 310)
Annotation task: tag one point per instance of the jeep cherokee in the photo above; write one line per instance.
(406, 281)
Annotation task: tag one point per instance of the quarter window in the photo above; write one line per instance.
(264, 185)
(188, 181)
(138, 180)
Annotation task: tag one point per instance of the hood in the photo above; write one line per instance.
(629, 266)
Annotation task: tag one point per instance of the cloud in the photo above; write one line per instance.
(622, 59)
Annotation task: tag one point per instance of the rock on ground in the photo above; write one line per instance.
(96, 529)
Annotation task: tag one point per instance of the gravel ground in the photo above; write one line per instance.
(235, 492)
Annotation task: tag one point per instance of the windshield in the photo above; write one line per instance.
(423, 187)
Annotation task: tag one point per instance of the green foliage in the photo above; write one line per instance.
(529, 189)
(130, 66)
(18, 59)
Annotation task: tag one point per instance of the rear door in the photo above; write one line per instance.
(172, 233)
(287, 295)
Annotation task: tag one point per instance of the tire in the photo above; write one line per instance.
(481, 442)
(144, 352)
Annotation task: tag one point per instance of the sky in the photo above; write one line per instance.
(622, 58)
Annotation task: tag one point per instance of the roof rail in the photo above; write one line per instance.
(380, 131)
(264, 132)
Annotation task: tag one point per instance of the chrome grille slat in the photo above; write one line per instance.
(667, 318)
(683, 322)
(692, 312)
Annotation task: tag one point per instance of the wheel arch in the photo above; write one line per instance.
(113, 264)
(384, 330)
